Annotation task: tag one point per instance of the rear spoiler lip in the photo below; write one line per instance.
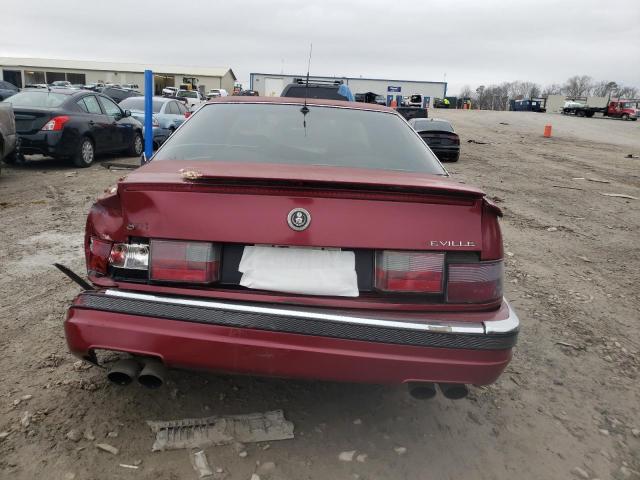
(243, 182)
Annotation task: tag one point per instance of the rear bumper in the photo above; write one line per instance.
(446, 153)
(294, 342)
(46, 143)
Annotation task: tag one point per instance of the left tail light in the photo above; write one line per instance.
(55, 124)
(409, 272)
(98, 259)
(189, 262)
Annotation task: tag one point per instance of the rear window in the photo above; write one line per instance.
(137, 103)
(422, 125)
(281, 134)
(182, 93)
(299, 91)
(40, 99)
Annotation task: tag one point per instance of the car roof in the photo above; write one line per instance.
(300, 101)
(64, 91)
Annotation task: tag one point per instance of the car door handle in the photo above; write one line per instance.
(92, 123)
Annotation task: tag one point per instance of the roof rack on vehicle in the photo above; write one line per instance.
(303, 81)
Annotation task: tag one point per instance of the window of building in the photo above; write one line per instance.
(33, 77)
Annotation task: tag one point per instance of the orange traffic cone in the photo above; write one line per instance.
(547, 131)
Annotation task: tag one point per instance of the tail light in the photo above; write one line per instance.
(98, 259)
(130, 256)
(177, 261)
(187, 114)
(475, 282)
(55, 124)
(409, 272)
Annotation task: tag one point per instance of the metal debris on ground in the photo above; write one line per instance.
(107, 448)
(471, 140)
(619, 195)
(132, 467)
(598, 180)
(220, 430)
(119, 166)
(200, 464)
(631, 155)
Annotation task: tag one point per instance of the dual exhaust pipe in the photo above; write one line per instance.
(427, 390)
(149, 372)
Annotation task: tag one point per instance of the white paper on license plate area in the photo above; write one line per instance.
(306, 271)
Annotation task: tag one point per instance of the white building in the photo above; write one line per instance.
(271, 85)
(25, 71)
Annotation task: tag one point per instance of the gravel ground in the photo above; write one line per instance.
(567, 407)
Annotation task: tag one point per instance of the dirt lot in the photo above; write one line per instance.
(567, 407)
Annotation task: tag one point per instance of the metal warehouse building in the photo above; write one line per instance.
(26, 71)
(271, 85)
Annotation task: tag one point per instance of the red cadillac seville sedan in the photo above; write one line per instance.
(278, 237)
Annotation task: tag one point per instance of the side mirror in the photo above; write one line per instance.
(127, 113)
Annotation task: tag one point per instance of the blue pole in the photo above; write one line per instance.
(148, 113)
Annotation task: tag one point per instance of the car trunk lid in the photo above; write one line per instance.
(31, 120)
(349, 208)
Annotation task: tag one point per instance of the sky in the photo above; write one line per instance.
(466, 42)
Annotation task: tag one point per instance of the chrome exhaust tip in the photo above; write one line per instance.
(123, 371)
(454, 391)
(153, 373)
(422, 390)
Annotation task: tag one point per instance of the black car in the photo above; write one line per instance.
(75, 124)
(440, 136)
(7, 89)
(118, 94)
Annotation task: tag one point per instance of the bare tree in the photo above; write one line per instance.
(626, 92)
(578, 86)
(553, 89)
(604, 88)
(465, 92)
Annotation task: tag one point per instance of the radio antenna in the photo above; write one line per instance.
(305, 109)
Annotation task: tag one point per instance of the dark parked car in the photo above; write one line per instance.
(7, 89)
(117, 94)
(330, 90)
(76, 124)
(327, 242)
(440, 136)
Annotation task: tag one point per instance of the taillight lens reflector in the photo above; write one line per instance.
(99, 251)
(410, 272)
(190, 262)
(475, 282)
(55, 124)
(130, 256)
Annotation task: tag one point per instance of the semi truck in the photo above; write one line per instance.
(623, 109)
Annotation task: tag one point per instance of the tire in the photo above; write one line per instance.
(634, 119)
(137, 145)
(85, 153)
(11, 158)
(580, 113)
(625, 117)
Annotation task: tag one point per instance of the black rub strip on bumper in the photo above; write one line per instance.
(306, 326)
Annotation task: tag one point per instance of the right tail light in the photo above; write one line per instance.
(475, 282)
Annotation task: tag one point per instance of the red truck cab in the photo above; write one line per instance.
(624, 109)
